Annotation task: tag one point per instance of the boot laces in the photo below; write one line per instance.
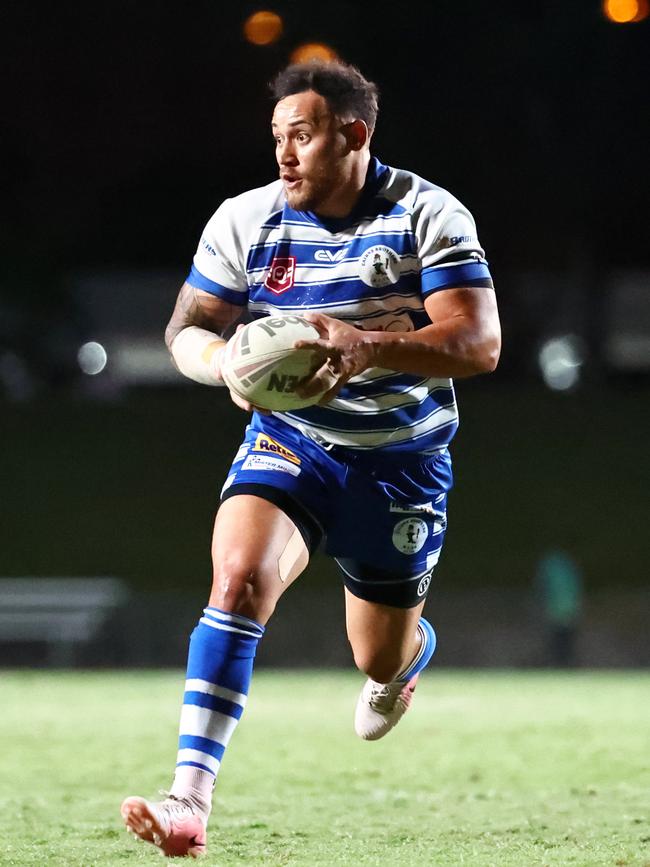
(384, 695)
(175, 805)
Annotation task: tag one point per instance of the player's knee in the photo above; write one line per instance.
(238, 587)
(377, 663)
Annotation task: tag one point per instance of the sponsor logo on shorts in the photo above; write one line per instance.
(267, 462)
(423, 586)
(281, 276)
(379, 266)
(410, 535)
(408, 508)
(267, 444)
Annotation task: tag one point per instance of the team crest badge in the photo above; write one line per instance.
(379, 266)
(410, 535)
(281, 276)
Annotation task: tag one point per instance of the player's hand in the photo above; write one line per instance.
(235, 398)
(348, 352)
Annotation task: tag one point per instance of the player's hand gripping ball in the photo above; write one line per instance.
(260, 365)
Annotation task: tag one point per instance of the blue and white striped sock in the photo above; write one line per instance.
(219, 671)
(425, 651)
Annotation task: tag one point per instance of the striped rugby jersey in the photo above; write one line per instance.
(405, 239)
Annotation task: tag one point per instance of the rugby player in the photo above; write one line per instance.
(389, 269)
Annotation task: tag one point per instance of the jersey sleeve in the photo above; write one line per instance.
(448, 245)
(218, 265)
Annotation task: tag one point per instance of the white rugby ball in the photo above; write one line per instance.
(260, 364)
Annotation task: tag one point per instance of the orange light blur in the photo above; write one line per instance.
(263, 28)
(313, 51)
(626, 11)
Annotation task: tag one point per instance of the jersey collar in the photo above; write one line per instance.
(375, 178)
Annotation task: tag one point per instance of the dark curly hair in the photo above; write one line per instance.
(343, 86)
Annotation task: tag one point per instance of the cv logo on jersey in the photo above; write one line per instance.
(281, 276)
(379, 266)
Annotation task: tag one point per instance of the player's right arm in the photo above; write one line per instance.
(195, 332)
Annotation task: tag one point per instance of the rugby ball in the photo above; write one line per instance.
(260, 364)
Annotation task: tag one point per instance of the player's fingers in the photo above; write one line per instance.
(332, 392)
(322, 378)
(320, 321)
(246, 406)
(322, 345)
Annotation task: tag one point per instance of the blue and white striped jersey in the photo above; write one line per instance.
(405, 239)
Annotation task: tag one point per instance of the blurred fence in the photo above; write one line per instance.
(476, 628)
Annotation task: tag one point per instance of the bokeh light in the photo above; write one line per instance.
(92, 358)
(313, 51)
(263, 28)
(560, 362)
(626, 11)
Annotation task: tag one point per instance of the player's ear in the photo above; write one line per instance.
(357, 134)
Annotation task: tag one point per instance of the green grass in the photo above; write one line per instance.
(489, 769)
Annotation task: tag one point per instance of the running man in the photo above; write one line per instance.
(389, 269)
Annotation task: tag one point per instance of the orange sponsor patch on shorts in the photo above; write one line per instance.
(267, 444)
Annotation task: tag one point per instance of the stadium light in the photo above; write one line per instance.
(313, 51)
(92, 358)
(626, 11)
(263, 27)
(560, 361)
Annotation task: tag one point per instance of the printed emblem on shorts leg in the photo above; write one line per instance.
(423, 586)
(410, 535)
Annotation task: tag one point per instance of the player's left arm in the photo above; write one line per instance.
(463, 339)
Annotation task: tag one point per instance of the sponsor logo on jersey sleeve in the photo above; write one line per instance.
(461, 239)
(269, 446)
(208, 246)
(281, 274)
(379, 266)
(410, 535)
(267, 462)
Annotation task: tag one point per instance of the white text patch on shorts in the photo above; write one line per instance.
(267, 462)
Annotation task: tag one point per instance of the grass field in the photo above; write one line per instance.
(489, 769)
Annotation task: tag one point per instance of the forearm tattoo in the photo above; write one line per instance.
(194, 307)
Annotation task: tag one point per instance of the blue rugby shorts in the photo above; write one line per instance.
(383, 516)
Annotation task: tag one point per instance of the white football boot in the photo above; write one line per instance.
(174, 825)
(381, 706)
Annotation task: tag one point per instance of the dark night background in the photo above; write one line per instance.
(124, 126)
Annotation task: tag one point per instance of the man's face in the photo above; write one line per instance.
(311, 151)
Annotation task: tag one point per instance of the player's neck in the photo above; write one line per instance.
(344, 201)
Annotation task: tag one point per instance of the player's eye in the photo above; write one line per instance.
(302, 137)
